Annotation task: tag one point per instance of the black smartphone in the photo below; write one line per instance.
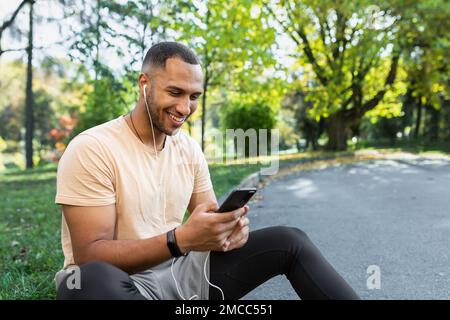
(237, 199)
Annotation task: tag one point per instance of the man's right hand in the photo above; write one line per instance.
(206, 230)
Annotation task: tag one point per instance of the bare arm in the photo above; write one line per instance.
(92, 234)
(92, 231)
(202, 197)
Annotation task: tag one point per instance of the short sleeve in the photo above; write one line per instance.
(202, 180)
(85, 174)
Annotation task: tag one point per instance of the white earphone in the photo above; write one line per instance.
(151, 121)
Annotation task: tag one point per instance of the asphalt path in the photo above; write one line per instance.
(393, 215)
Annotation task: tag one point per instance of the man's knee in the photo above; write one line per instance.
(291, 238)
(291, 234)
(93, 279)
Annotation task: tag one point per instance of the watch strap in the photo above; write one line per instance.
(172, 244)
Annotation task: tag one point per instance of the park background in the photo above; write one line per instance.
(334, 77)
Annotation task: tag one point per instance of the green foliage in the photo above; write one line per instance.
(44, 117)
(357, 58)
(342, 45)
(234, 42)
(54, 94)
(106, 101)
(426, 38)
(424, 82)
(232, 38)
(2, 147)
(302, 122)
(247, 116)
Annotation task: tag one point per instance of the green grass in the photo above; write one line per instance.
(30, 222)
(30, 250)
(225, 177)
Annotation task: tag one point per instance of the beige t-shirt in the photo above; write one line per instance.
(108, 164)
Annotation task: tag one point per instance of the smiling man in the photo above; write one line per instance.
(124, 187)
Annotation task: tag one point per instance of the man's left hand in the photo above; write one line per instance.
(239, 236)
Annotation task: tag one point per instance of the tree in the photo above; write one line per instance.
(345, 47)
(12, 100)
(305, 125)
(426, 41)
(29, 120)
(93, 35)
(29, 99)
(9, 23)
(233, 40)
(29, 114)
(99, 26)
(245, 116)
(141, 23)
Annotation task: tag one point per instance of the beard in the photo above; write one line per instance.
(158, 119)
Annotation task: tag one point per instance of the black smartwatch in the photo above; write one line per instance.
(172, 244)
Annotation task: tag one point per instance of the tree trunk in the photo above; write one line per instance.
(29, 119)
(317, 133)
(408, 107)
(97, 44)
(337, 132)
(205, 90)
(433, 125)
(205, 81)
(418, 118)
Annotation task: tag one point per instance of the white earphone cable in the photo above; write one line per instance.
(176, 283)
(151, 121)
(154, 146)
(206, 277)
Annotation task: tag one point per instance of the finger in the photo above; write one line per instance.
(228, 227)
(246, 210)
(234, 234)
(245, 213)
(244, 221)
(229, 216)
(243, 235)
(226, 245)
(240, 212)
(239, 238)
(238, 233)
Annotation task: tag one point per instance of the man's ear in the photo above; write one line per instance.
(142, 81)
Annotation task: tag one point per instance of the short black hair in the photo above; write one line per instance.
(158, 54)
